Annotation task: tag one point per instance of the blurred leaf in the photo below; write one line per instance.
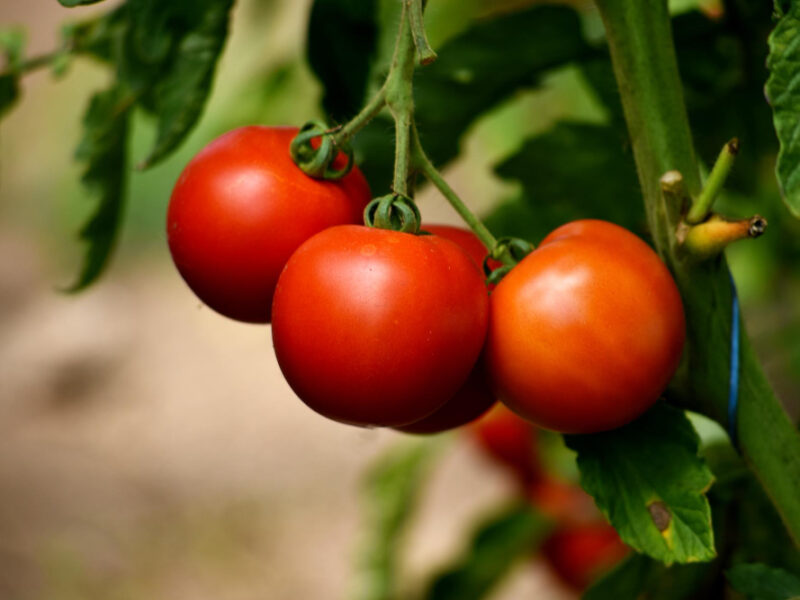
(784, 96)
(374, 151)
(71, 3)
(495, 546)
(103, 147)
(342, 39)
(576, 170)
(184, 83)
(643, 578)
(97, 37)
(648, 479)
(484, 65)
(9, 92)
(392, 487)
(12, 45)
(760, 582)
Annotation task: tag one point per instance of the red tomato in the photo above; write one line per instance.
(239, 210)
(580, 554)
(586, 331)
(474, 398)
(509, 440)
(377, 327)
(563, 502)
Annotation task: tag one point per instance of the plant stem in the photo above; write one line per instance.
(424, 51)
(712, 188)
(365, 115)
(642, 51)
(37, 62)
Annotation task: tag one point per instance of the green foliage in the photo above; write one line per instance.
(643, 578)
(605, 189)
(648, 479)
(760, 582)
(72, 3)
(391, 489)
(495, 546)
(12, 46)
(342, 38)
(783, 95)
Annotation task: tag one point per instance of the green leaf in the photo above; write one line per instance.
(581, 171)
(643, 578)
(12, 44)
(103, 147)
(342, 40)
(493, 550)
(784, 97)
(392, 487)
(487, 63)
(9, 92)
(649, 481)
(760, 582)
(180, 93)
(72, 3)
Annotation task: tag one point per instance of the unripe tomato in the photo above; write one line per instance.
(580, 554)
(475, 397)
(586, 331)
(239, 210)
(510, 441)
(377, 327)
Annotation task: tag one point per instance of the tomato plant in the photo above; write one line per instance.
(586, 332)
(377, 327)
(239, 210)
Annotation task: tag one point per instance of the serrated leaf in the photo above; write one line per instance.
(72, 3)
(783, 94)
(760, 582)
(643, 578)
(9, 92)
(182, 88)
(103, 148)
(392, 487)
(342, 39)
(579, 171)
(485, 64)
(650, 482)
(493, 550)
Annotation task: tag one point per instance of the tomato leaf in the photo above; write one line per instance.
(392, 487)
(342, 39)
(760, 582)
(496, 544)
(643, 578)
(188, 56)
(103, 147)
(72, 3)
(606, 189)
(649, 481)
(784, 97)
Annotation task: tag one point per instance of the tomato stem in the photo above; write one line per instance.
(711, 189)
(425, 54)
(365, 115)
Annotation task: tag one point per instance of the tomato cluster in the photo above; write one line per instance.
(376, 327)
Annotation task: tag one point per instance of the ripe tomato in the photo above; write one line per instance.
(239, 210)
(475, 397)
(586, 331)
(580, 554)
(377, 327)
(510, 441)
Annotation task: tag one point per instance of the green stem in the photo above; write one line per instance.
(357, 123)
(37, 62)
(423, 163)
(643, 54)
(712, 188)
(424, 51)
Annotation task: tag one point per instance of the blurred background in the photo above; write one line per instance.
(150, 448)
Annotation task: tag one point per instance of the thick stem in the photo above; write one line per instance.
(425, 53)
(643, 55)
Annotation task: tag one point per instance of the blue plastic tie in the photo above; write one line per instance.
(733, 381)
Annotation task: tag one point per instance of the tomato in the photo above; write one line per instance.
(239, 210)
(475, 397)
(510, 441)
(580, 554)
(378, 327)
(586, 331)
(563, 502)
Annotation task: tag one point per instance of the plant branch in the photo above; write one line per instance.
(365, 115)
(424, 51)
(640, 39)
(712, 188)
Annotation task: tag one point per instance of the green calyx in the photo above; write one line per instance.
(395, 212)
(317, 160)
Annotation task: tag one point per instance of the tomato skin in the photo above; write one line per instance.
(377, 327)
(238, 211)
(510, 441)
(475, 397)
(586, 331)
(580, 554)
